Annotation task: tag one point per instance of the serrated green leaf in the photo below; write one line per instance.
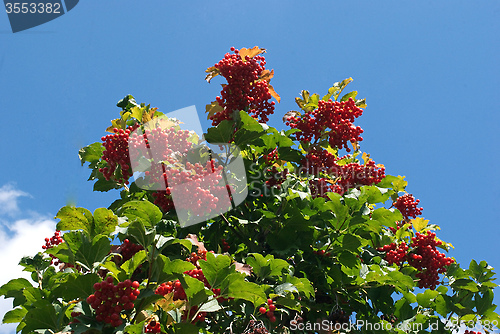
(166, 269)
(216, 269)
(222, 133)
(14, 316)
(41, 316)
(143, 211)
(91, 154)
(134, 262)
(72, 219)
(105, 221)
(387, 217)
(248, 130)
(140, 234)
(351, 242)
(347, 96)
(77, 286)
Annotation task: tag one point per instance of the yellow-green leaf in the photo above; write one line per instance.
(213, 108)
(419, 223)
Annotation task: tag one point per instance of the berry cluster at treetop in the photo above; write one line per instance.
(317, 231)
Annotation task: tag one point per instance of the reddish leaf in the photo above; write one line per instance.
(243, 268)
(194, 240)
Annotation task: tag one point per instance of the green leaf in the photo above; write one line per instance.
(167, 269)
(216, 269)
(41, 316)
(77, 286)
(348, 259)
(289, 303)
(87, 252)
(14, 285)
(303, 285)
(72, 219)
(374, 194)
(248, 130)
(290, 154)
(349, 95)
(134, 262)
(212, 305)
(183, 328)
(127, 103)
(241, 289)
(91, 154)
(484, 302)
(142, 211)
(35, 263)
(340, 210)
(196, 292)
(425, 299)
(135, 329)
(222, 133)
(136, 113)
(105, 221)
(140, 234)
(351, 242)
(387, 217)
(14, 316)
(285, 288)
(341, 85)
(105, 185)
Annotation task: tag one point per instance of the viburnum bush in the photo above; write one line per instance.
(324, 241)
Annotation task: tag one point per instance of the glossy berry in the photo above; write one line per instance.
(246, 89)
(55, 240)
(332, 119)
(407, 205)
(109, 299)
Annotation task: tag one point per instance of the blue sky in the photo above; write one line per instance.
(429, 71)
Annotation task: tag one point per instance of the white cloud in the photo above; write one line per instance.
(18, 238)
(8, 199)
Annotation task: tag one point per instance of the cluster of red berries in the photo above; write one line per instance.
(197, 187)
(109, 299)
(407, 205)
(471, 332)
(395, 253)
(275, 177)
(339, 317)
(178, 291)
(164, 143)
(127, 249)
(166, 146)
(116, 154)
(269, 310)
(322, 186)
(427, 259)
(319, 160)
(256, 327)
(73, 317)
(353, 174)
(271, 157)
(333, 119)
(322, 252)
(55, 240)
(153, 327)
(245, 89)
(225, 245)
